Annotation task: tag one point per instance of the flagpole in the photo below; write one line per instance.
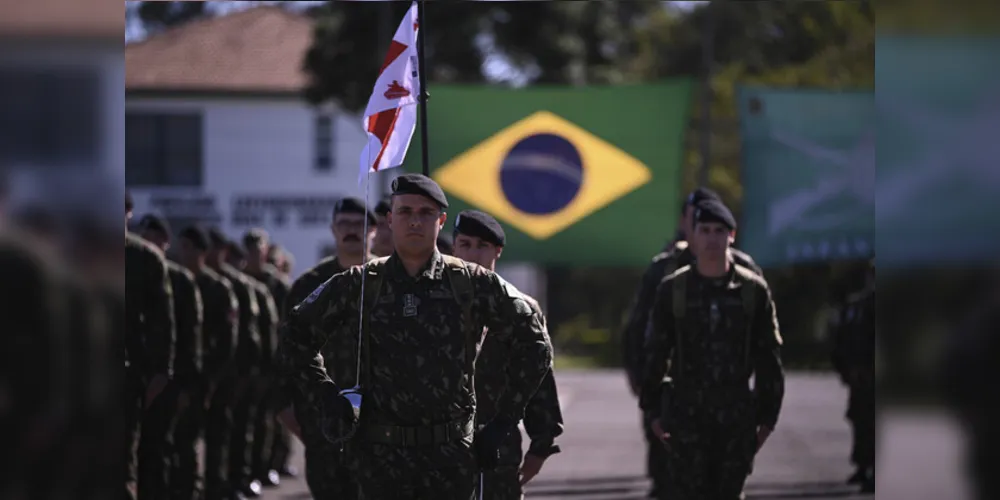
(422, 28)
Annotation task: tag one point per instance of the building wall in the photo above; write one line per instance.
(259, 170)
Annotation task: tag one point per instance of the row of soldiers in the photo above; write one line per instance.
(702, 327)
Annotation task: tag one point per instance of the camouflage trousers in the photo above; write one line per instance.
(502, 483)
(184, 461)
(656, 457)
(328, 478)
(218, 432)
(240, 443)
(264, 429)
(457, 483)
(133, 420)
(709, 462)
(156, 446)
(861, 413)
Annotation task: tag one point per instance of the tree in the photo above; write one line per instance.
(158, 16)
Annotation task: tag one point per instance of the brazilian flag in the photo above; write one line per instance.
(577, 175)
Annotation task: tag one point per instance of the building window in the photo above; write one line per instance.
(51, 116)
(163, 149)
(325, 161)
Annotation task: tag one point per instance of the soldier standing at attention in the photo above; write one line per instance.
(178, 450)
(326, 472)
(247, 364)
(712, 327)
(675, 256)
(480, 239)
(220, 334)
(150, 315)
(423, 320)
(382, 246)
(854, 358)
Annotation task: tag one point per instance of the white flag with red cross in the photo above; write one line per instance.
(391, 115)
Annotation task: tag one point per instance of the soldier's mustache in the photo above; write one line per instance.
(351, 238)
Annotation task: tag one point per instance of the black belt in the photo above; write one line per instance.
(419, 436)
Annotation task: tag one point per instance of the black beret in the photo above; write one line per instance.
(481, 225)
(197, 236)
(217, 237)
(236, 251)
(445, 245)
(352, 205)
(129, 202)
(383, 208)
(254, 236)
(714, 211)
(699, 195)
(419, 184)
(153, 222)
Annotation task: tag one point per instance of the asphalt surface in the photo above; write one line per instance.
(806, 458)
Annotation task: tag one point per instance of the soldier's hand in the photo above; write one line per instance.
(530, 468)
(287, 418)
(762, 434)
(156, 387)
(657, 428)
(488, 440)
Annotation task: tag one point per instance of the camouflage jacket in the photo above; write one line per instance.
(663, 264)
(276, 283)
(150, 313)
(415, 371)
(220, 328)
(189, 316)
(854, 336)
(267, 325)
(311, 280)
(703, 336)
(248, 346)
(543, 420)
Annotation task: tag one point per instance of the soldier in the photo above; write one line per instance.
(383, 235)
(265, 430)
(220, 334)
(422, 326)
(677, 255)
(854, 358)
(326, 472)
(247, 364)
(712, 327)
(179, 413)
(151, 316)
(480, 239)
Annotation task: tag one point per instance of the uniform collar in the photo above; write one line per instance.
(433, 269)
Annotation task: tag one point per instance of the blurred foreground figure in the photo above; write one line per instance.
(382, 246)
(326, 468)
(712, 327)
(854, 360)
(971, 372)
(423, 320)
(480, 239)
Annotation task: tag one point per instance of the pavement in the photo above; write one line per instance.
(806, 457)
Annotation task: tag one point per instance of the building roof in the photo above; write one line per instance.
(256, 50)
(61, 18)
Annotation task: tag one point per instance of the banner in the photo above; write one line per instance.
(577, 175)
(938, 189)
(808, 175)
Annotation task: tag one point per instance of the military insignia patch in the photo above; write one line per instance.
(316, 293)
(522, 307)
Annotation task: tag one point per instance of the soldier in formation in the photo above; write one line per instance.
(854, 359)
(422, 320)
(382, 246)
(480, 239)
(677, 255)
(353, 230)
(711, 328)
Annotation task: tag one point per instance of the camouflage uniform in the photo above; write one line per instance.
(702, 329)
(415, 438)
(854, 358)
(247, 367)
(665, 263)
(220, 336)
(150, 316)
(326, 473)
(189, 313)
(542, 417)
(275, 454)
(262, 418)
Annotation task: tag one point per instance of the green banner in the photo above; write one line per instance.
(808, 175)
(938, 183)
(577, 175)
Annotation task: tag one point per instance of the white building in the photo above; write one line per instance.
(217, 131)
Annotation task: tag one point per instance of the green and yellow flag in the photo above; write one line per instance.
(577, 175)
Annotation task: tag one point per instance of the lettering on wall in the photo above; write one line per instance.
(280, 211)
(199, 207)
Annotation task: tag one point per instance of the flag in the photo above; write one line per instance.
(577, 175)
(808, 183)
(391, 115)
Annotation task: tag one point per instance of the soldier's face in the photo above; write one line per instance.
(350, 232)
(162, 241)
(257, 253)
(383, 237)
(415, 221)
(477, 251)
(710, 240)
